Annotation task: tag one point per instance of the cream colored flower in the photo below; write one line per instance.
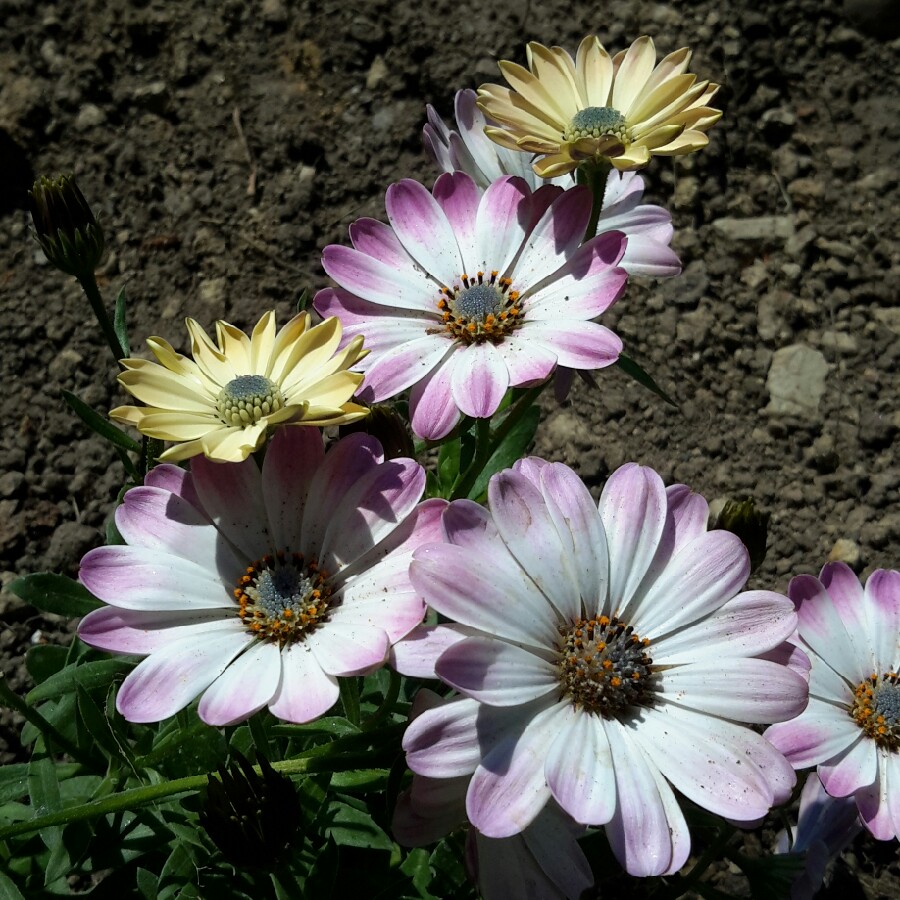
(223, 402)
(623, 108)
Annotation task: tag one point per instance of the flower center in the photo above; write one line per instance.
(281, 598)
(597, 122)
(480, 310)
(877, 709)
(604, 667)
(247, 398)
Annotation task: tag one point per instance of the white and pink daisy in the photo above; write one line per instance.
(260, 587)
(544, 862)
(468, 149)
(851, 729)
(607, 656)
(466, 294)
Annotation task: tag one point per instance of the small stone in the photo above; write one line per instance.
(70, 541)
(796, 381)
(806, 191)
(12, 484)
(846, 551)
(770, 318)
(882, 179)
(89, 116)
(839, 341)
(797, 244)
(759, 228)
(822, 456)
(889, 317)
(840, 249)
(777, 124)
(687, 190)
(377, 73)
(841, 159)
(153, 97)
(274, 12)
(755, 274)
(876, 430)
(212, 295)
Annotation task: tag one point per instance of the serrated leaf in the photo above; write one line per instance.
(100, 425)
(55, 594)
(633, 370)
(513, 447)
(352, 827)
(89, 675)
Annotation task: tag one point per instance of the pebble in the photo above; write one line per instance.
(796, 381)
(758, 228)
(839, 341)
(89, 116)
(889, 317)
(154, 97)
(377, 73)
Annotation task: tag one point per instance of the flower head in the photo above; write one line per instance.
(466, 294)
(647, 227)
(851, 728)
(623, 108)
(258, 587)
(65, 225)
(605, 655)
(224, 401)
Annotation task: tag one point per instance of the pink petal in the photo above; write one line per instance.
(690, 513)
(508, 789)
(467, 524)
(458, 196)
(633, 512)
(849, 600)
(818, 734)
(579, 770)
(576, 344)
(442, 742)
(491, 594)
(378, 240)
(882, 596)
(639, 831)
(423, 229)
(293, 458)
(650, 258)
(140, 632)
(854, 769)
(404, 365)
(231, 494)
(382, 327)
(176, 480)
(416, 654)
(341, 648)
(504, 215)
(433, 414)
(744, 690)
(305, 692)
(244, 688)
(527, 363)
(479, 381)
(496, 673)
(171, 678)
(879, 804)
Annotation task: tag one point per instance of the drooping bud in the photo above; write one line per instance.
(386, 424)
(65, 227)
(252, 818)
(749, 524)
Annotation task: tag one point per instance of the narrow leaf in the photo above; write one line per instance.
(633, 370)
(89, 675)
(514, 447)
(119, 323)
(55, 594)
(100, 425)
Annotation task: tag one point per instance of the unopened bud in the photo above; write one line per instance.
(386, 424)
(749, 524)
(65, 227)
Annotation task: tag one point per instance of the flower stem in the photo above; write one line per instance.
(594, 174)
(88, 284)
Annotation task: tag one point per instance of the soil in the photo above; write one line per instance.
(226, 143)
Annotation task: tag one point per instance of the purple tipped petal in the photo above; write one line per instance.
(504, 214)
(347, 649)
(416, 654)
(458, 196)
(442, 742)
(244, 688)
(576, 344)
(527, 362)
(879, 806)
(404, 365)
(820, 733)
(169, 679)
(378, 240)
(479, 381)
(650, 258)
(856, 768)
(690, 514)
(305, 692)
(433, 414)
(882, 597)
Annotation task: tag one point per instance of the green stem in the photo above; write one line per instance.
(258, 733)
(390, 698)
(349, 690)
(594, 174)
(50, 732)
(487, 442)
(89, 286)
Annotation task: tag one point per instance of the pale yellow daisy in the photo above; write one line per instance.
(624, 109)
(223, 402)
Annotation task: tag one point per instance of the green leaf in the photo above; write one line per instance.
(55, 594)
(89, 675)
(44, 660)
(13, 781)
(513, 447)
(332, 725)
(448, 466)
(119, 325)
(633, 370)
(99, 726)
(352, 827)
(176, 874)
(100, 425)
(146, 883)
(349, 690)
(360, 779)
(43, 790)
(8, 891)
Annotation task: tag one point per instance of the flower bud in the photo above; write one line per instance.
(386, 424)
(749, 524)
(65, 227)
(251, 818)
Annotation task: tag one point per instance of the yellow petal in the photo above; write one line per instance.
(333, 390)
(509, 108)
(234, 444)
(284, 342)
(557, 78)
(322, 416)
(156, 386)
(262, 341)
(556, 164)
(661, 136)
(168, 356)
(170, 425)
(127, 415)
(635, 157)
(635, 68)
(687, 142)
(502, 137)
(675, 63)
(542, 104)
(595, 72)
(671, 97)
(235, 346)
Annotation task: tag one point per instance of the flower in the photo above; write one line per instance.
(260, 587)
(544, 862)
(648, 227)
(609, 659)
(623, 109)
(825, 826)
(466, 294)
(851, 729)
(223, 402)
(65, 226)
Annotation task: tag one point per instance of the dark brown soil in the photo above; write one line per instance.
(226, 143)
